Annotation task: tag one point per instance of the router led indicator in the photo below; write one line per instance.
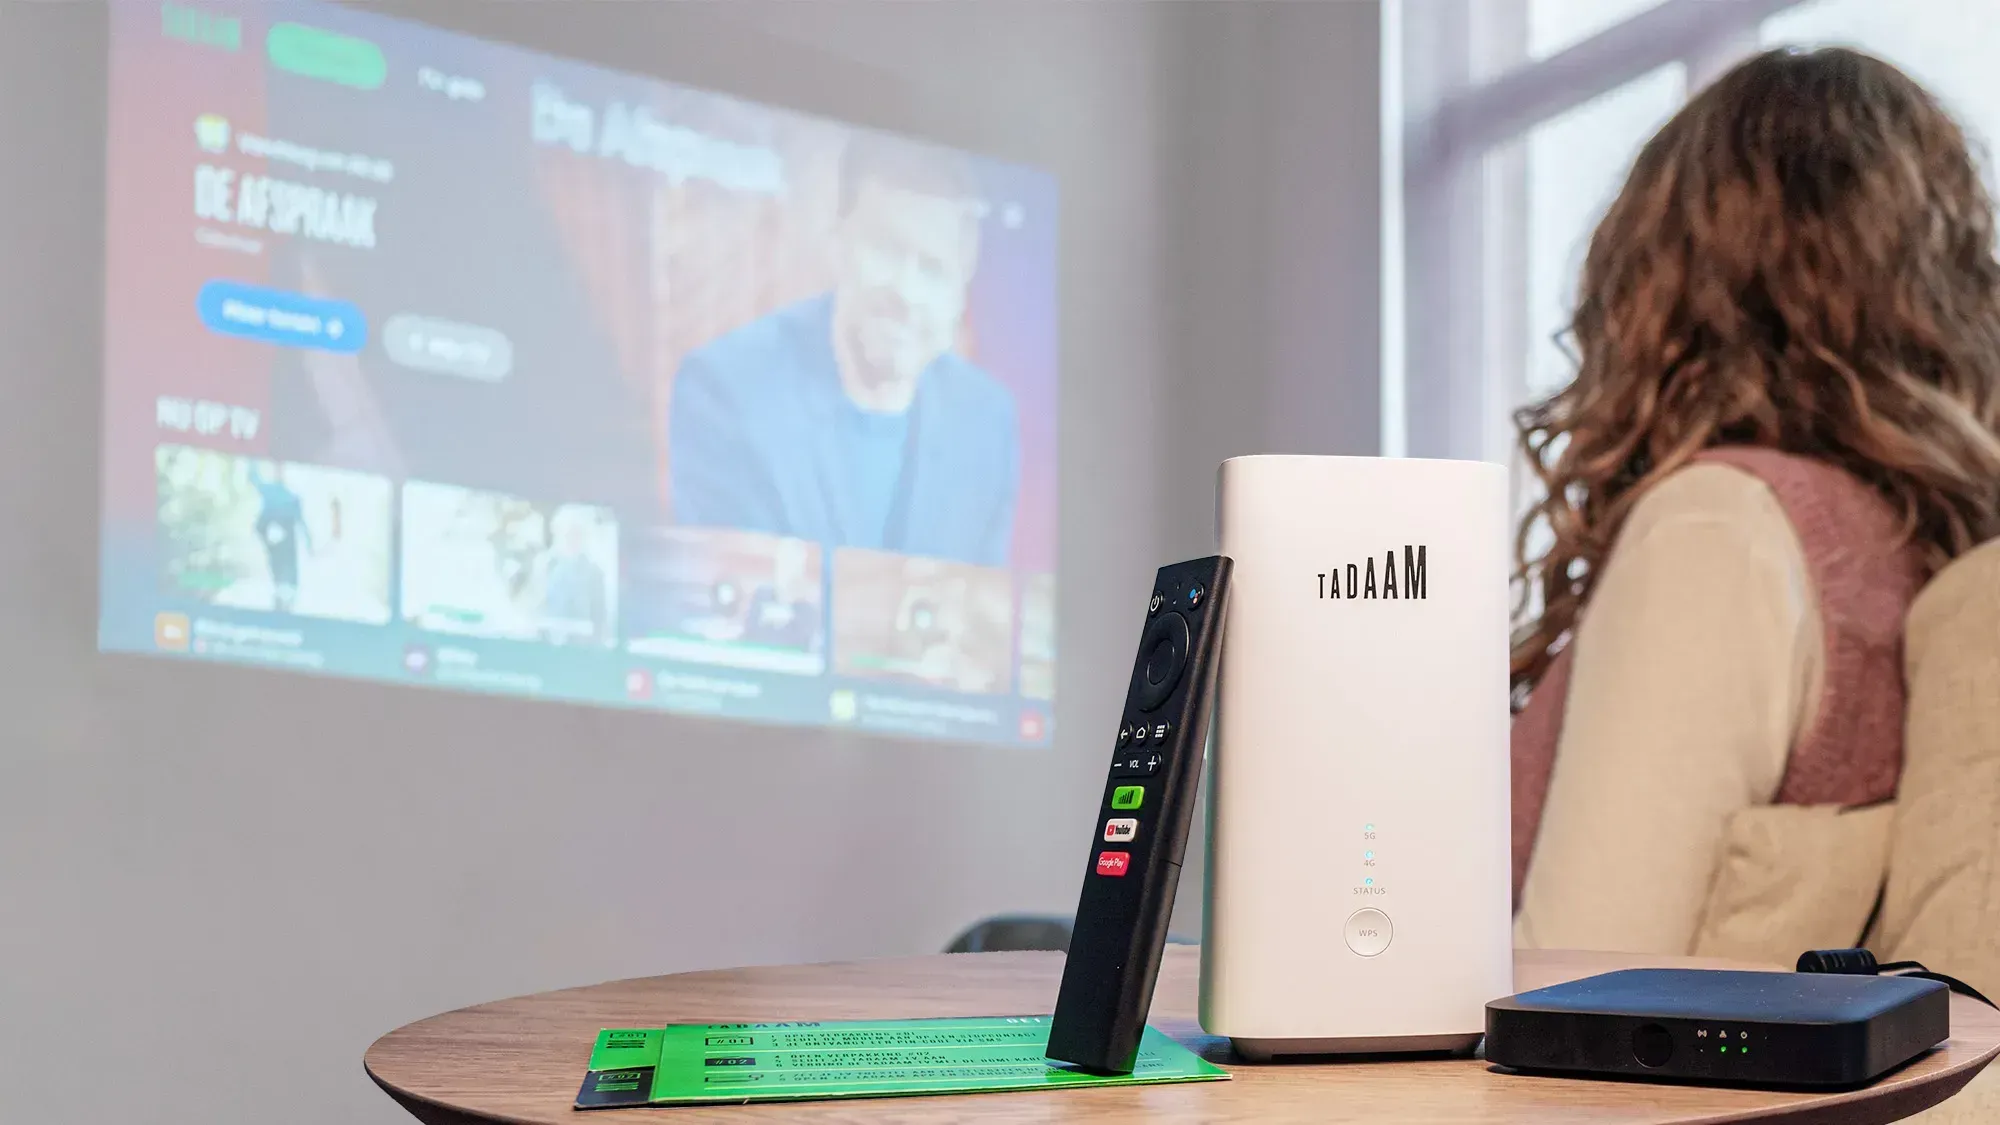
(1367, 882)
(1367, 855)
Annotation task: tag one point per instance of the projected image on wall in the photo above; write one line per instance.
(441, 362)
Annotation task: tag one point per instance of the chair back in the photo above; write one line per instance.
(1941, 902)
(1007, 933)
(1011, 932)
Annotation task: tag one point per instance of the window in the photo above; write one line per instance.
(1520, 120)
(1948, 45)
(1577, 162)
(1556, 24)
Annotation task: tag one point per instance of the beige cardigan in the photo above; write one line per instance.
(1668, 736)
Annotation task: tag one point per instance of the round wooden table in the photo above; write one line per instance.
(522, 1060)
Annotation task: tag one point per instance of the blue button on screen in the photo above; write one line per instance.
(276, 316)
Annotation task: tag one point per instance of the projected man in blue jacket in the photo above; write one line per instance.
(847, 418)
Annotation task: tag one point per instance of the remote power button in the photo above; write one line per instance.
(1368, 931)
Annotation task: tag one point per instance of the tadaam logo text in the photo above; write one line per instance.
(1361, 581)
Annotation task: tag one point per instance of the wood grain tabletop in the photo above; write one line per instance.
(521, 1060)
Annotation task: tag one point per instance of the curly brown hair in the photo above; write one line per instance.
(1801, 259)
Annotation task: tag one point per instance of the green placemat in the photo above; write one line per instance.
(693, 1064)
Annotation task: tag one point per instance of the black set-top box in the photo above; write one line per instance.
(1708, 1026)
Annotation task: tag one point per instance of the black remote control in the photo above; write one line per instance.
(1141, 831)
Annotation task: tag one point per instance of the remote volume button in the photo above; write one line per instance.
(1163, 653)
(1368, 931)
(1652, 1045)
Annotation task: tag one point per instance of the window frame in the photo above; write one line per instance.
(1467, 91)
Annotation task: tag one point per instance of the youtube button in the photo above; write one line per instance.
(1113, 863)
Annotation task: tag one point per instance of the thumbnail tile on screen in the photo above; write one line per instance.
(1038, 636)
(489, 565)
(898, 618)
(280, 537)
(739, 599)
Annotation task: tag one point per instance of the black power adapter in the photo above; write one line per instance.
(1862, 963)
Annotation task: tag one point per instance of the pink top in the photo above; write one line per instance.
(1851, 751)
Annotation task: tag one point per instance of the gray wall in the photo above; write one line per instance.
(1273, 176)
(190, 855)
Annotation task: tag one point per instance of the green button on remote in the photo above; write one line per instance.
(1128, 796)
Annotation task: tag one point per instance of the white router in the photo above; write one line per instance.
(1358, 894)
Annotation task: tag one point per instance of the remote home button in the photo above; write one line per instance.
(1165, 655)
(1368, 931)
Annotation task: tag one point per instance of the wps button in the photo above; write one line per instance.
(1368, 931)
